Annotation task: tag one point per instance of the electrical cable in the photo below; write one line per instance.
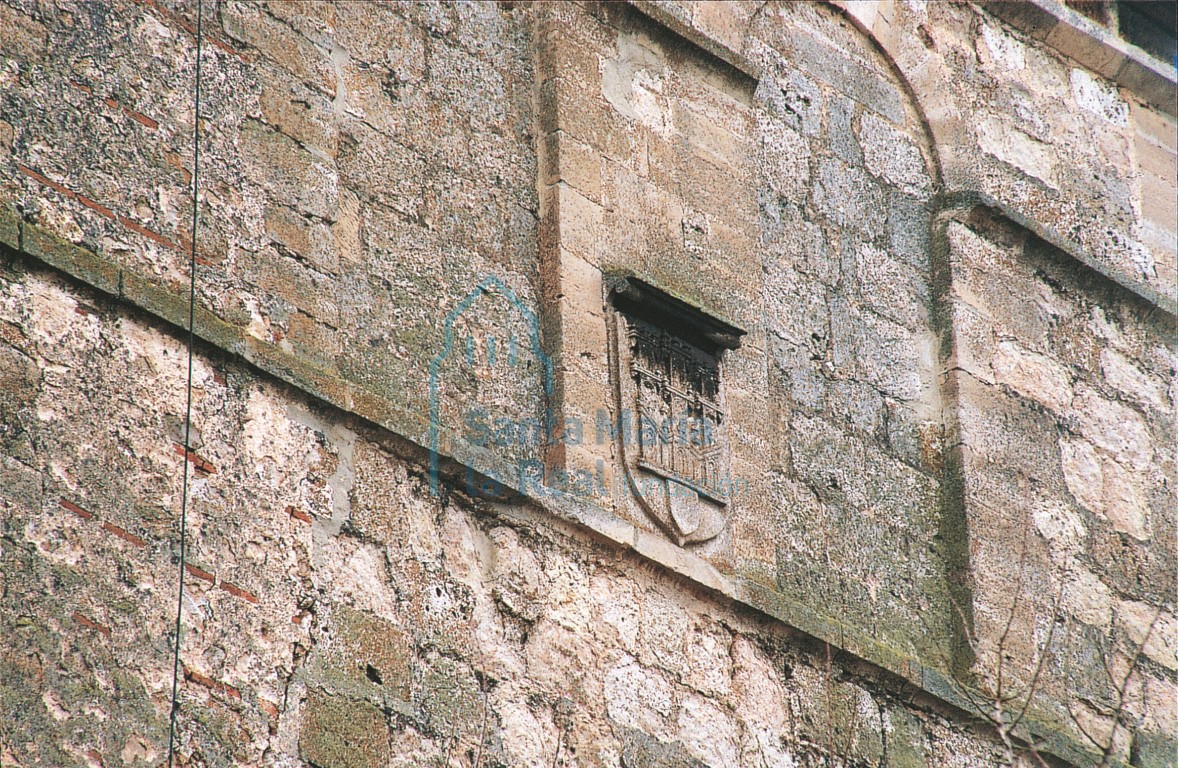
(188, 405)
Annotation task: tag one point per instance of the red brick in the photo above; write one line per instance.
(124, 534)
(299, 514)
(46, 181)
(94, 206)
(237, 591)
(141, 118)
(135, 226)
(91, 624)
(211, 684)
(72, 507)
(197, 462)
(200, 573)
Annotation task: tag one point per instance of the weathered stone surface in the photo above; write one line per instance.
(1117, 429)
(338, 733)
(1039, 378)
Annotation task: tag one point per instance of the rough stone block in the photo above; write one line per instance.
(254, 25)
(365, 33)
(309, 239)
(1016, 148)
(22, 35)
(340, 733)
(302, 113)
(9, 225)
(279, 164)
(640, 750)
(795, 307)
(844, 142)
(1153, 125)
(374, 166)
(1116, 428)
(839, 68)
(368, 651)
(891, 357)
(908, 230)
(889, 287)
(849, 197)
(575, 164)
(792, 97)
(451, 699)
(785, 160)
(579, 222)
(1032, 375)
(892, 157)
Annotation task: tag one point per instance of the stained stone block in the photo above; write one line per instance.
(849, 197)
(908, 230)
(369, 654)
(339, 733)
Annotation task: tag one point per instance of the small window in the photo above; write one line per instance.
(1097, 10)
(1150, 25)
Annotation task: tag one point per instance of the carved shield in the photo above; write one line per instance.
(672, 429)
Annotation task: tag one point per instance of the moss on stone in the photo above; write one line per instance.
(9, 225)
(80, 262)
(339, 733)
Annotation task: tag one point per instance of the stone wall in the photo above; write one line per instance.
(1065, 422)
(943, 232)
(338, 614)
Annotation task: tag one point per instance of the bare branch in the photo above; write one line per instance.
(1043, 654)
(1018, 590)
(1120, 708)
(483, 690)
(1084, 731)
(1106, 749)
(559, 744)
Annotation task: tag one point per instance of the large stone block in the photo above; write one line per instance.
(252, 24)
(1035, 376)
(277, 163)
(891, 156)
(847, 196)
(22, 35)
(367, 653)
(340, 733)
